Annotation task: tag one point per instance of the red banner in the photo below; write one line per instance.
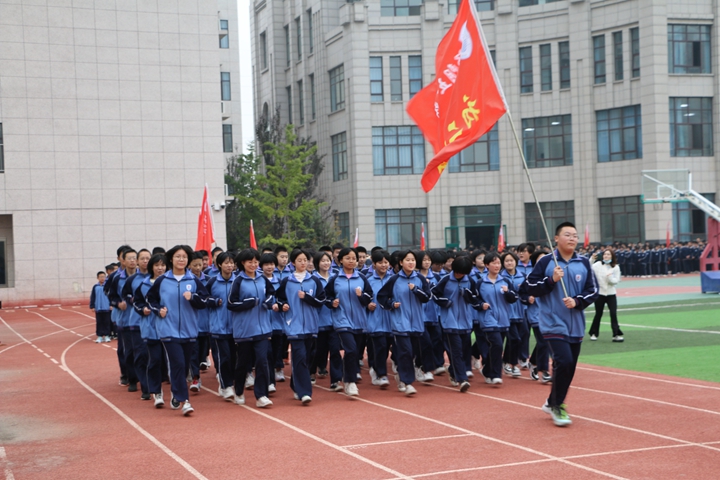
(586, 243)
(422, 237)
(465, 99)
(206, 230)
(501, 240)
(253, 243)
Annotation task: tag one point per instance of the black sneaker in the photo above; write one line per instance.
(534, 374)
(322, 373)
(145, 396)
(132, 387)
(123, 380)
(174, 404)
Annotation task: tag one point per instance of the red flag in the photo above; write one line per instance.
(501, 240)
(586, 244)
(206, 230)
(667, 236)
(464, 101)
(422, 237)
(357, 238)
(253, 243)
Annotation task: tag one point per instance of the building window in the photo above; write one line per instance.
(480, 5)
(618, 55)
(398, 150)
(339, 156)
(343, 222)
(312, 96)
(619, 133)
(545, 68)
(691, 127)
(399, 228)
(298, 38)
(690, 222)
(473, 226)
(482, 156)
(287, 45)
(227, 138)
(400, 8)
(225, 85)
(263, 51)
(224, 36)
(547, 141)
(526, 72)
(311, 48)
(564, 53)
(527, 3)
(689, 49)
(396, 79)
(635, 48)
(337, 88)
(288, 92)
(376, 79)
(622, 219)
(415, 74)
(599, 56)
(301, 102)
(555, 213)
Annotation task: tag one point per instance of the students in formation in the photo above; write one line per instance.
(177, 316)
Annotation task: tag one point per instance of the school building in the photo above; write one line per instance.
(599, 91)
(113, 117)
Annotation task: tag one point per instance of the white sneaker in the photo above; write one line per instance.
(187, 409)
(240, 399)
(336, 387)
(419, 375)
(271, 388)
(358, 377)
(497, 381)
(464, 386)
(525, 365)
(361, 363)
(410, 390)
(159, 402)
(99, 340)
(227, 393)
(516, 372)
(439, 371)
(383, 382)
(195, 385)
(476, 363)
(249, 381)
(263, 402)
(507, 368)
(593, 337)
(429, 377)
(107, 339)
(470, 374)
(306, 399)
(373, 376)
(546, 408)
(279, 375)
(351, 390)
(402, 387)
(618, 338)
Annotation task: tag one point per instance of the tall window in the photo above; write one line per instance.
(599, 56)
(343, 222)
(339, 156)
(480, 5)
(415, 73)
(224, 37)
(564, 53)
(689, 49)
(622, 219)
(635, 49)
(527, 3)
(689, 222)
(691, 127)
(298, 38)
(399, 228)
(376, 79)
(547, 141)
(400, 8)
(618, 55)
(481, 156)
(545, 68)
(555, 213)
(337, 88)
(619, 133)
(311, 47)
(227, 138)
(395, 79)
(398, 150)
(225, 85)
(301, 102)
(287, 45)
(312, 96)
(526, 72)
(2, 152)
(288, 91)
(263, 51)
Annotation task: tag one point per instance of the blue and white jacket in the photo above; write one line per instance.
(351, 313)
(148, 323)
(180, 323)
(115, 295)
(410, 317)
(249, 301)
(458, 300)
(277, 319)
(497, 317)
(301, 320)
(517, 309)
(379, 322)
(556, 320)
(98, 299)
(325, 313)
(204, 314)
(131, 318)
(432, 309)
(220, 317)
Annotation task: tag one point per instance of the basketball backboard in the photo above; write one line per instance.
(662, 186)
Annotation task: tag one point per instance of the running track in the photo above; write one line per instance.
(64, 416)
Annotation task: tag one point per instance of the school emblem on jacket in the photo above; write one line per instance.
(189, 287)
(578, 277)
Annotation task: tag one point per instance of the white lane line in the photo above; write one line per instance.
(129, 420)
(632, 309)
(633, 397)
(682, 330)
(5, 465)
(40, 350)
(390, 442)
(79, 313)
(642, 377)
(43, 316)
(321, 440)
(485, 437)
(54, 361)
(48, 356)
(38, 338)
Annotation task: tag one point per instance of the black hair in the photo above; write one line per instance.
(319, 256)
(266, 258)
(279, 249)
(450, 254)
(157, 258)
(490, 257)
(379, 256)
(297, 252)
(563, 225)
(157, 250)
(475, 254)
(169, 254)
(462, 265)
(438, 257)
(402, 254)
(126, 251)
(267, 250)
(109, 266)
(222, 256)
(340, 246)
(361, 249)
(536, 254)
(121, 249)
(526, 247)
(376, 248)
(245, 255)
(204, 253)
(143, 250)
(100, 273)
(345, 251)
(325, 248)
(509, 254)
(216, 249)
(198, 255)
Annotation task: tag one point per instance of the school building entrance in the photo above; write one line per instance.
(473, 227)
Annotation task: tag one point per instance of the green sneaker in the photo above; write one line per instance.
(560, 416)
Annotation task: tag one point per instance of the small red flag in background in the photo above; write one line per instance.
(253, 243)
(501, 240)
(357, 238)
(586, 243)
(465, 99)
(667, 236)
(422, 237)
(206, 228)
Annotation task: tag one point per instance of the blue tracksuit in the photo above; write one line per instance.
(497, 317)
(378, 322)
(223, 346)
(410, 316)
(457, 300)
(351, 313)
(148, 333)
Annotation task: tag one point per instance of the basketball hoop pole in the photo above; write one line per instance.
(537, 202)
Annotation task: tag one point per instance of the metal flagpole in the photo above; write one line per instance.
(532, 188)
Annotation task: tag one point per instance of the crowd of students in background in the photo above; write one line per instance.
(327, 313)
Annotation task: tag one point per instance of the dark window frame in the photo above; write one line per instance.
(554, 213)
(465, 161)
(376, 80)
(695, 41)
(415, 79)
(225, 86)
(337, 88)
(390, 143)
(227, 138)
(635, 51)
(339, 156)
(618, 55)
(545, 67)
(396, 94)
(540, 136)
(400, 8)
(599, 65)
(694, 115)
(564, 57)
(526, 69)
(616, 129)
(403, 224)
(619, 216)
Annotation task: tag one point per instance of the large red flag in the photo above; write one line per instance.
(422, 237)
(357, 238)
(253, 243)
(667, 236)
(586, 243)
(501, 240)
(206, 229)
(465, 99)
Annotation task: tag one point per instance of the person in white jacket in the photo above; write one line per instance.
(607, 273)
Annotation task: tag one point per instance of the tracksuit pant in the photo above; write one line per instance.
(154, 366)
(380, 353)
(245, 352)
(136, 348)
(225, 360)
(103, 323)
(492, 363)
(301, 349)
(127, 355)
(346, 341)
(178, 358)
(541, 356)
(611, 301)
(454, 347)
(565, 357)
(404, 356)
